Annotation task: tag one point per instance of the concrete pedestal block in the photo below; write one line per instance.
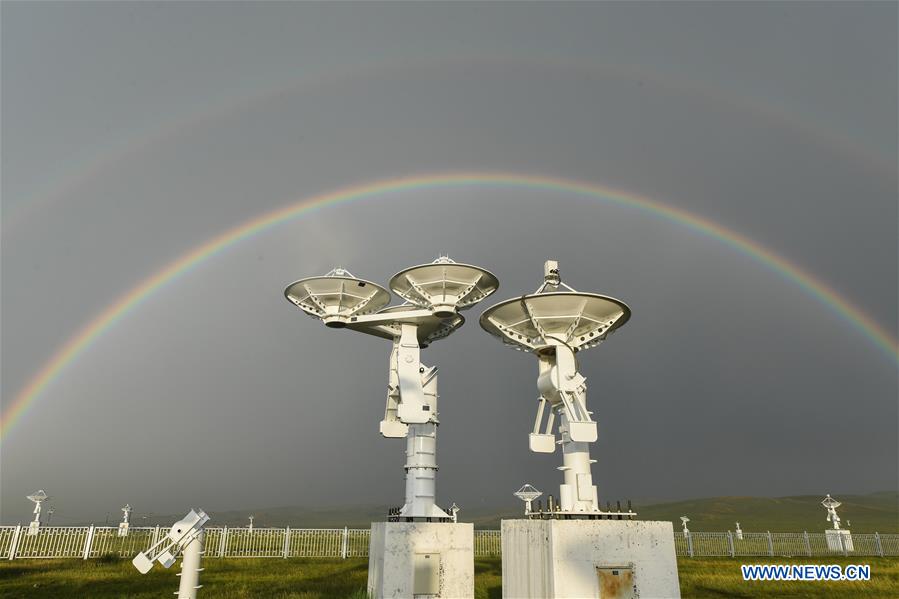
(588, 558)
(839, 540)
(421, 560)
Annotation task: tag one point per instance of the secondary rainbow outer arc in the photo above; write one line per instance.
(85, 337)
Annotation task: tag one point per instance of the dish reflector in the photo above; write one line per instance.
(336, 297)
(579, 320)
(444, 287)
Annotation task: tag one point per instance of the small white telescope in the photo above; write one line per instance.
(185, 536)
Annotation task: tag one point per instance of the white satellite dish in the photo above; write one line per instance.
(444, 287)
(434, 294)
(831, 505)
(555, 324)
(535, 322)
(336, 297)
(527, 493)
(38, 498)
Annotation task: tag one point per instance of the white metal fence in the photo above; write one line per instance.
(783, 544)
(87, 542)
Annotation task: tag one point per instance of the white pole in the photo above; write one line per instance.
(576, 467)
(421, 470)
(190, 568)
(87, 543)
(15, 542)
(224, 546)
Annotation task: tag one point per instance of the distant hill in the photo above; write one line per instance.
(867, 513)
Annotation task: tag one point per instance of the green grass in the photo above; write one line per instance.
(333, 578)
(721, 577)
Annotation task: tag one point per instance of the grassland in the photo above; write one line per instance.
(331, 578)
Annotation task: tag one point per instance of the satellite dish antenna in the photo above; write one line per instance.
(548, 318)
(434, 293)
(336, 297)
(527, 493)
(38, 497)
(555, 324)
(185, 536)
(831, 505)
(444, 287)
(124, 524)
(684, 521)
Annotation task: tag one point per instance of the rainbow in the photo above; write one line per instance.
(88, 335)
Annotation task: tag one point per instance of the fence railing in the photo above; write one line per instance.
(784, 544)
(85, 542)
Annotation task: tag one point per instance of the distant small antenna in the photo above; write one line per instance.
(454, 511)
(49, 515)
(831, 505)
(684, 521)
(527, 493)
(252, 517)
(124, 524)
(38, 498)
(739, 532)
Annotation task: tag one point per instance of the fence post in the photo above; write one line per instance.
(155, 536)
(87, 542)
(286, 542)
(878, 544)
(344, 543)
(15, 542)
(730, 541)
(808, 546)
(770, 545)
(689, 543)
(224, 542)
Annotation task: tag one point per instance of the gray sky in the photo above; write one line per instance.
(132, 132)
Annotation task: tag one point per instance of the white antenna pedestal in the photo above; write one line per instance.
(614, 550)
(38, 497)
(422, 550)
(125, 523)
(839, 540)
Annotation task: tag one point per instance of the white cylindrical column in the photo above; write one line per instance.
(421, 471)
(190, 568)
(577, 493)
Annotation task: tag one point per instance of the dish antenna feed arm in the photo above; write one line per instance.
(185, 537)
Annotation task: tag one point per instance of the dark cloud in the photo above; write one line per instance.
(130, 135)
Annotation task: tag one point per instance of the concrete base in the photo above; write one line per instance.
(839, 540)
(588, 558)
(421, 559)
